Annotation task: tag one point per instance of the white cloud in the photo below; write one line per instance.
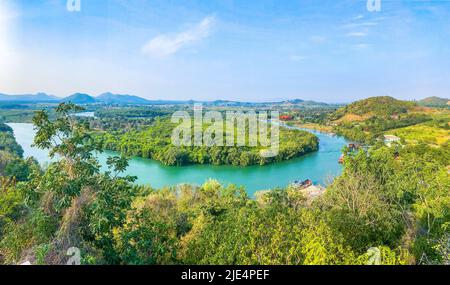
(166, 45)
(362, 24)
(359, 17)
(356, 34)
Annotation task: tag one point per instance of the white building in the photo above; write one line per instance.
(389, 139)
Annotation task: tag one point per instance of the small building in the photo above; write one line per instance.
(354, 146)
(303, 184)
(389, 139)
(286, 118)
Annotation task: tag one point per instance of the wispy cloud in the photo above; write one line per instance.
(166, 45)
(360, 21)
(356, 34)
(359, 17)
(362, 24)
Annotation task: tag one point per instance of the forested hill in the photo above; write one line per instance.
(435, 102)
(384, 106)
(369, 119)
(80, 98)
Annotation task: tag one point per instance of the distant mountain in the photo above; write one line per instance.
(305, 103)
(80, 98)
(124, 99)
(109, 98)
(29, 98)
(295, 101)
(288, 103)
(435, 102)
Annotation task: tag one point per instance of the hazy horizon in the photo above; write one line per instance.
(252, 51)
(211, 100)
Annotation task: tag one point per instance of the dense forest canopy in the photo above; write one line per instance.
(132, 112)
(8, 143)
(155, 143)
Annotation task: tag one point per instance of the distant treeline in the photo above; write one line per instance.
(132, 112)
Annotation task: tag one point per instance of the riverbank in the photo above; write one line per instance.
(315, 127)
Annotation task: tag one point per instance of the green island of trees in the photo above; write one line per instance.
(155, 142)
(395, 202)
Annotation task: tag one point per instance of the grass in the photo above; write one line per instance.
(428, 133)
(353, 118)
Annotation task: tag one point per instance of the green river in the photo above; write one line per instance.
(320, 166)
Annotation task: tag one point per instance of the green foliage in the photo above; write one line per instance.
(11, 205)
(367, 120)
(357, 205)
(369, 130)
(149, 237)
(395, 202)
(20, 169)
(136, 112)
(22, 112)
(70, 197)
(107, 212)
(17, 115)
(435, 132)
(8, 142)
(22, 236)
(64, 136)
(41, 252)
(155, 143)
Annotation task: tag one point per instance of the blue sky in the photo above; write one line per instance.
(248, 50)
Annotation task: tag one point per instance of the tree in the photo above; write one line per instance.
(86, 203)
(20, 169)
